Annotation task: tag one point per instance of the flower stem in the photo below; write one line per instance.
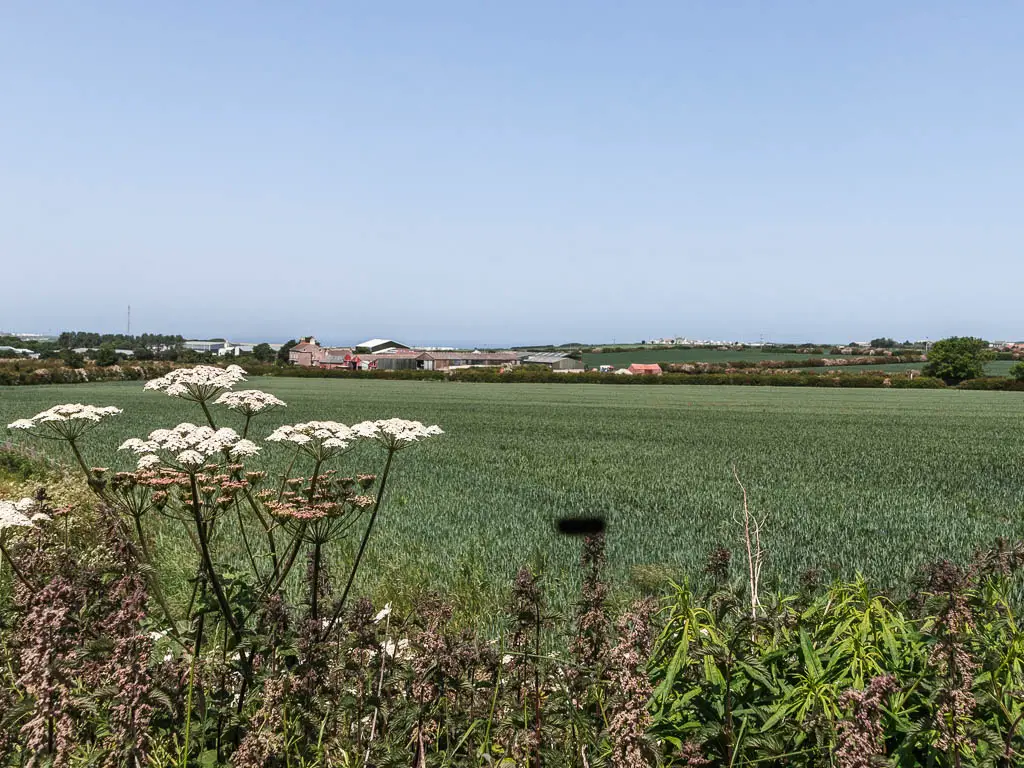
(84, 466)
(14, 566)
(204, 545)
(362, 545)
(315, 586)
(206, 411)
(245, 541)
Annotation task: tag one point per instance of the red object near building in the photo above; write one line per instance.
(642, 369)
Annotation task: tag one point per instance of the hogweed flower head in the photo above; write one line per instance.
(188, 446)
(249, 402)
(199, 383)
(322, 440)
(65, 422)
(395, 434)
(16, 514)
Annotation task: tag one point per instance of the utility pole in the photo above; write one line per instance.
(129, 333)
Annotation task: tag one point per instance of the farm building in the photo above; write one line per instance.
(556, 361)
(396, 360)
(374, 346)
(642, 369)
(446, 360)
(393, 357)
(236, 348)
(204, 345)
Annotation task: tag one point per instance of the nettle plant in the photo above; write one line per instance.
(196, 475)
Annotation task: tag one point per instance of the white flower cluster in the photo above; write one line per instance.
(319, 439)
(249, 402)
(67, 421)
(396, 433)
(323, 439)
(198, 383)
(189, 444)
(14, 514)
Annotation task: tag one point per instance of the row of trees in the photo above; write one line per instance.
(153, 341)
(103, 348)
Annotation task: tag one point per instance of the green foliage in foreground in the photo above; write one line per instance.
(841, 675)
(877, 481)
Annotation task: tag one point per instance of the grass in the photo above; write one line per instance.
(877, 481)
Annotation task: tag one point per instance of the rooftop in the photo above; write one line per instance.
(545, 357)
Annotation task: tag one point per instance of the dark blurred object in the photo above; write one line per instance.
(581, 526)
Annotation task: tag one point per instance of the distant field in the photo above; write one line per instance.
(874, 480)
(670, 355)
(993, 368)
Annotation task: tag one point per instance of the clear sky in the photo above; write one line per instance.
(502, 172)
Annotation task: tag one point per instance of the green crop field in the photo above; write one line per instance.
(992, 368)
(879, 481)
(671, 355)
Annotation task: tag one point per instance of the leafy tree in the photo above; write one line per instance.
(105, 355)
(883, 343)
(263, 353)
(282, 353)
(957, 359)
(1017, 371)
(143, 353)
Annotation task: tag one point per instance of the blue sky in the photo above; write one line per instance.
(486, 172)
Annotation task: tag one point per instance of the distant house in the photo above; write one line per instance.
(307, 353)
(556, 361)
(379, 345)
(643, 369)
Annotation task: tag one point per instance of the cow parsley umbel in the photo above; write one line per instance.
(65, 422)
(188, 446)
(249, 402)
(320, 440)
(396, 434)
(18, 514)
(14, 515)
(200, 384)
